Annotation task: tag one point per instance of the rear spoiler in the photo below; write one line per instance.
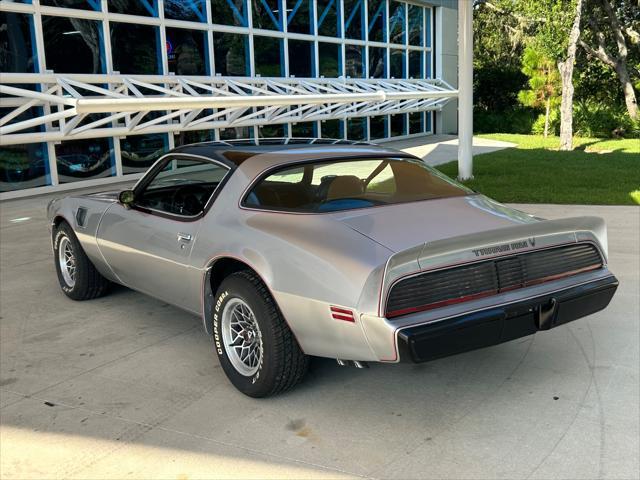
(493, 243)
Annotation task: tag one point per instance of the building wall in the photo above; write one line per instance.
(330, 38)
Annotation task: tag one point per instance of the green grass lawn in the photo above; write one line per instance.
(597, 172)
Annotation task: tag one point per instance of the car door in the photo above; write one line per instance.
(148, 243)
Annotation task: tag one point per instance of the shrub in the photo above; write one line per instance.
(598, 119)
(554, 123)
(518, 120)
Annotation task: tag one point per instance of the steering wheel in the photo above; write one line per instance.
(185, 201)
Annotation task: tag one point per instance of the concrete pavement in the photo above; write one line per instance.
(127, 386)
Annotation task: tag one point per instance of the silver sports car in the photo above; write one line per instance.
(338, 249)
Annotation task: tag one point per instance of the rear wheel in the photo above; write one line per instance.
(78, 278)
(256, 349)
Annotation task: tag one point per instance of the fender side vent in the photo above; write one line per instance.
(81, 216)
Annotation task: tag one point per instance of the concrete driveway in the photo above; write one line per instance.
(127, 386)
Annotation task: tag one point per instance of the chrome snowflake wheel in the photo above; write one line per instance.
(242, 337)
(67, 261)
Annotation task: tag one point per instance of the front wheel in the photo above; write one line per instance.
(78, 278)
(256, 349)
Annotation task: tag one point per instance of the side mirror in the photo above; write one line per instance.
(126, 197)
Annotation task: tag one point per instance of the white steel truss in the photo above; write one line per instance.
(50, 107)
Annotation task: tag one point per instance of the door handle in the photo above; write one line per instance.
(184, 237)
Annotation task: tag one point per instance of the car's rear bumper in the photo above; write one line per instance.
(491, 326)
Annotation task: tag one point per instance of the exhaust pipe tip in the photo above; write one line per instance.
(352, 363)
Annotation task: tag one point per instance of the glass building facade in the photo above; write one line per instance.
(268, 38)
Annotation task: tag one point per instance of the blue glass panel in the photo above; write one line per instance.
(301, 62)
(304, 130)
(236, 132)
(357, 128)
(194, 136)
(377, 20)
(190, 10)
(82, 37)
(80, 4)
(354, 61)
(135, 48)
(329, 60)
(229, 12)
(354, 19)
(147, 8)
(332, 128)
(187, 51)
(24, 166)
(267, 14)
(300, 16)
(17, 46)
(398, 124)
(329, 18)
(427, 13)
(268, 56)
(377, 62)
(397, 14)
(397, 64)
(416, 62)
(139, 152)
(416, 30)
(231, 53)
(379, 127)
(85, 159)
(272, 131)
(416, 120)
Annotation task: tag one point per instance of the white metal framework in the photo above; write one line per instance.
(92, 106)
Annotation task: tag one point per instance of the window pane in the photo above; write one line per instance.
(81, 4)
(300, 16)
(345, 185)
(416, 33)
(268, 17)
(354, 19)
(427, 13)
(357, 128)
(415, 64)
(139, 152)
(236, 132)
(428, 124)
(304, 130)
(229, 12)
(329, 61)
(378, 127)
(428, 72)
(398, 124)
(191, 10)
(397, 33)
(187, 51)
(268, 56)
(184, 189)
(277, 131)
(332, 128)
(377, 62)
(415, 122)
(135, 48)
(301, 58)
(328, 20)
(193, 136)
(82, 37)
(135, 7)
(377, 21)
(354, 65)
(17, 52)
(24, 166)
(231, 53)
(397, 67)
(85, 159)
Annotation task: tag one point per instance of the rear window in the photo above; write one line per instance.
(348, 184)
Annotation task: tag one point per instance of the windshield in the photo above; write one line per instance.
(348, 184)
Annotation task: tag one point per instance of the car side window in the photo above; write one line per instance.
(182, 186)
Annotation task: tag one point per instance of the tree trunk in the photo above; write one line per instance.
(546, 118)
(627, 88)
(566, 74)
